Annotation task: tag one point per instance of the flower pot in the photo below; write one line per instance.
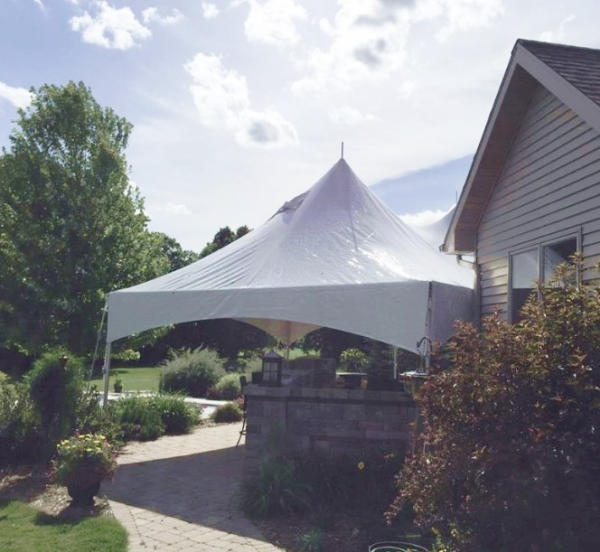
(118, 387)
(83, 492)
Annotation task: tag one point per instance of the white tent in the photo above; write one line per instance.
(435, 233)
(334, 256)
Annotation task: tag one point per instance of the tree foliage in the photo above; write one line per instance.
(177, 257)
(223, 237)
(509, 454)
(71, 226)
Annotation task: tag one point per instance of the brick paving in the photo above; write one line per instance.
(178, 493)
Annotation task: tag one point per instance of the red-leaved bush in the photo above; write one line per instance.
(508, 453)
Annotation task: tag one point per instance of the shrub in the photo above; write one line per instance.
(509, 456)
(278, 489)
(137, 420)
(354, 360)
(228, 387)
(312, 541)
(20, 431)
(191, 372)
(56, 388)
(229, 412)
(315, 481)
(94, 418)
(176, 415)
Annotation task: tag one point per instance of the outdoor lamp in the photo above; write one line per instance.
(271, 368)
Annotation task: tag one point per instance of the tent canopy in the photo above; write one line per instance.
(334, 256)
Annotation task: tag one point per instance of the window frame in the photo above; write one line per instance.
(541, 276)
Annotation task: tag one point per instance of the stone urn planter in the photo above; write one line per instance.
(83, 492)
(82, 463)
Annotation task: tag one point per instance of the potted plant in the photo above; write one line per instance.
(82, 463)
(118, 385)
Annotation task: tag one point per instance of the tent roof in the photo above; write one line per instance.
(337, 246)
(338, 232)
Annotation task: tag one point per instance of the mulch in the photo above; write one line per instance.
(33, 485)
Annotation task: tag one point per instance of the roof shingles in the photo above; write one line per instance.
(579, 66)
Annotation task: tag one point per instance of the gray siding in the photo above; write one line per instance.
(549, 186)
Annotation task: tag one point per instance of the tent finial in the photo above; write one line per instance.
(342, 150)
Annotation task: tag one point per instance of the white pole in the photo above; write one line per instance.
(395, 349)
(107, 352)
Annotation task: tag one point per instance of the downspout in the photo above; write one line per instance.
(476, 307)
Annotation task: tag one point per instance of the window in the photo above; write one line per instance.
(539, 263)
(524, 271)
(557, 253)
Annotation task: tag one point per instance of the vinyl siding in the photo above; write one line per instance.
(549, 187)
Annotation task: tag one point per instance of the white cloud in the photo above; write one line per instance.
(19, 97)
(406, 89)
(367, 40)
(465, 15)
(40, 5)
(110, 27)
(151, 15)
(267, 129)
(559, 34)
(169, 208)
(209, 11)
(222, 99)
(423, 218)
(369, 37)
(347, 115)
(272, 21)
(219, 93)
(176, 209)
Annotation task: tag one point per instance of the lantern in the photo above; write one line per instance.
(271, 368)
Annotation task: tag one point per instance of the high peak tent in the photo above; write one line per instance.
(435, 233)
(334, 256)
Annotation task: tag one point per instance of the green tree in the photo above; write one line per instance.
(509, 455)
(71, 226)
(176, 255)
(223, 237)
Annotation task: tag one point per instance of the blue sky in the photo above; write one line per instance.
(240, 105)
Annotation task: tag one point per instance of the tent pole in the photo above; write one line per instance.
(107, 353)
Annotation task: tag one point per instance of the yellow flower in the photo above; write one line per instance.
(360, 465)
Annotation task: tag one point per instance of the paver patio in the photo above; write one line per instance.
(178, 493)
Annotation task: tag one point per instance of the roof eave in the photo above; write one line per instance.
(461, 235)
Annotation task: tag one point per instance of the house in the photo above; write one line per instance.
(532, 196)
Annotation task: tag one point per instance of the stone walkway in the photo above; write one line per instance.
(178, 493)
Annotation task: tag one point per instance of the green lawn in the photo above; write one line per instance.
(145, 378)
(25, 529)
(142, 378)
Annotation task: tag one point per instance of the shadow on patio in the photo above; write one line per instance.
(198, 488)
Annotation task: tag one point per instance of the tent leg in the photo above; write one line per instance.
(106, 369)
